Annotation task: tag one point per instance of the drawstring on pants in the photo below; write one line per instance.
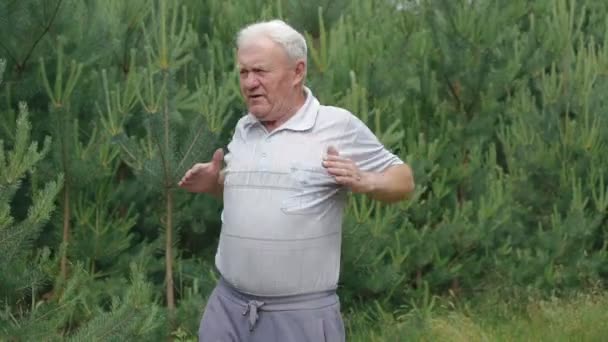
(252, 305)
(251, 308)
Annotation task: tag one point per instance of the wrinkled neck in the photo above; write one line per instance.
(291, 110)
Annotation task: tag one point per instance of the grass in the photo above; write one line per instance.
(575, 318)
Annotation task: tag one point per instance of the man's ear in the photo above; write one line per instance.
(300, 72)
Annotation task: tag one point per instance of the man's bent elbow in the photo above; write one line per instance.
(409, 192)
(409, 186)
(403, 191)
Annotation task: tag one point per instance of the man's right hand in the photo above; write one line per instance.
(204, 177)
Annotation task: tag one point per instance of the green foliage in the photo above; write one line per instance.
(497, 105)
(132, 316)
(579, 317)
(17, 236)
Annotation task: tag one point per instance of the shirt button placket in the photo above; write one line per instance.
(263, 162)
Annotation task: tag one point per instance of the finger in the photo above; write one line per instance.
(340, 164)
(187, 177)
(189, 173)
(218, 156)
(344, 181)
(341, 172)
(184, 181)
(342, 169)
(337, 158)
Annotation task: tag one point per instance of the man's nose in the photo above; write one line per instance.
(251, 81)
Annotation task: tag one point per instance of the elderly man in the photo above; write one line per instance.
(289, 166)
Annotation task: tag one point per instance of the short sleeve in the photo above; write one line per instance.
(235, 142)
(228, 156)
(366, 150)
(230, 150)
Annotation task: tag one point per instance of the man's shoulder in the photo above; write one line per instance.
(333, 114)
(243, 122)
(244, 119)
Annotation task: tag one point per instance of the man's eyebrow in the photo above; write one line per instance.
(254, 66)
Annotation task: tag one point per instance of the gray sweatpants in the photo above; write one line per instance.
(232, 316)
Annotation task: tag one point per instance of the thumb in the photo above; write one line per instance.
(218, 156)
(332, 151)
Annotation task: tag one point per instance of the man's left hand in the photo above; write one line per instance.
(347, 173)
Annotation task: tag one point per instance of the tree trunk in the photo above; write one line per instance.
(169, 257)
(66, 231)
(169, 213)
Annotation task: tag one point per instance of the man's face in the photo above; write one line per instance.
(268, 79)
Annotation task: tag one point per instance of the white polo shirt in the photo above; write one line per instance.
(282, 216)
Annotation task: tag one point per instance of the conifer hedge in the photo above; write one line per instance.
(498, 105)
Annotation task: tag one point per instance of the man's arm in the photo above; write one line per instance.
(394, 184)
(206, 177)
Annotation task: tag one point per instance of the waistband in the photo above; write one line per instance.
(252, 304)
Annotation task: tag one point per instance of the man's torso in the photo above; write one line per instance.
(282, 217)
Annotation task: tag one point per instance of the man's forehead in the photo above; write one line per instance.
(263, 51)
(254, 61)
(259, 43)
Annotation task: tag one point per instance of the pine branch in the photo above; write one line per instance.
(21, 66)
(453, 24)
(193, 142)
(131, 29)
(9, 53)
(453, 91)
(481, 77)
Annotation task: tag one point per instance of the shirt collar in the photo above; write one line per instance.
(302, 120)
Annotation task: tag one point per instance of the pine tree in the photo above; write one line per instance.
(65, 127)
(160, 156)
(554, 153)
(497, 105)
(24, 315)
(464, 68)
(25, 265)
(17, 236)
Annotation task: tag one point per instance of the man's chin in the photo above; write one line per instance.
(257, 112)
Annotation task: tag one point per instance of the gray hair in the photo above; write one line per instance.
(278, 31)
